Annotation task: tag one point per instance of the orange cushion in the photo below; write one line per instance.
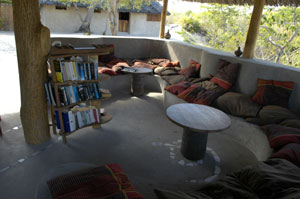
(271, 92)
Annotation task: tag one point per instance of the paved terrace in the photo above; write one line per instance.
(140, 138)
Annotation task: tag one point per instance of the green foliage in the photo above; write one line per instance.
(5, 1)
(189, 24)
(279, 37)
(226, 28)
(174, 18)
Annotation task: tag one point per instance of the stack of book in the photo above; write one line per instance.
(78, 117)
(67, 70)
(70, 94)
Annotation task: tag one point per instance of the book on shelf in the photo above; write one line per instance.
(82, 47)
(47, 93)
(67, 70)
(51, 92)
(78, 117)
(71, 94)
(58, 71)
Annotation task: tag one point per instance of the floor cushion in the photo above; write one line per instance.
(238, 104)
(173, 79)
(140, 64)
(290, 152)
(279, 135)
(271, 92)
(273, 114)
(274, 178)
(166, 71)
(107, 182)
(295, 122)
(178, 88)
(107, 71)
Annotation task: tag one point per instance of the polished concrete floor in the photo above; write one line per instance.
(139, 137)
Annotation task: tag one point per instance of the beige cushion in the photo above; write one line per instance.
(238, 105)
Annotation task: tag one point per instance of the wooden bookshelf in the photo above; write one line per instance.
(102, 78)
(67, 52)
(106, 118)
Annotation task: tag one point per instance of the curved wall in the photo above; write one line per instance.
(251, 69)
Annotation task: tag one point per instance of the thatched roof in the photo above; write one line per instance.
(250, 2)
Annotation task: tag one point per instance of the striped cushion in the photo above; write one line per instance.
(109, 182)
(271, 92)
(226, 74)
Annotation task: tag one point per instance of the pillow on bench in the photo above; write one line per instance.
(178, 88)
(226, 74)
(290, 152)
(271, 92)
(193, 71)
(273, 114)
(238, 104)
(202, 93)
(279, 135)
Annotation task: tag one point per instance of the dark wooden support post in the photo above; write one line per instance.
(33, 45)
(253, 29)
(163, 19)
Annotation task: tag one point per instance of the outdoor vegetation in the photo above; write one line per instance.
(225, 28)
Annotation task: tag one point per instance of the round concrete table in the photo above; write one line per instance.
(137, 84)
(197, 121)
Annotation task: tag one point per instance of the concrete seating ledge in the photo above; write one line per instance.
(246, 134)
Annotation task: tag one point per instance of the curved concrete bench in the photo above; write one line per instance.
(241, 132)
(251, 69)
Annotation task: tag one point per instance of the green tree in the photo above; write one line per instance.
(111, 6)
(5, 1)
(226, 28)
(280, 31)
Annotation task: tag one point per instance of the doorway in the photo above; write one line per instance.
(124, 22)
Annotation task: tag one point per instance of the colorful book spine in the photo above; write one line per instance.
(57, 119)
(81, 71)
(58, 72)
(66, 121)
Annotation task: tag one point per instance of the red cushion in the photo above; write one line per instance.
(177, 88)
(271, 92)
(192, 71)
(107, 71)
(171, 64)
(226, 74)
(279, 135)
(139, 64)
(290, 152)
(107, 181)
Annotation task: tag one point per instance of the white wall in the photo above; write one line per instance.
(139, 26)
(68, 21)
